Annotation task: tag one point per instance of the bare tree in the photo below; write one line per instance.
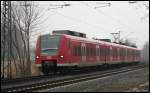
(25, 17)
(145, 53)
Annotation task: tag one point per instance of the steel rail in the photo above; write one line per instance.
(66, 81)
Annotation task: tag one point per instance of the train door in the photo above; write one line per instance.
(83, 52)
(97, 53)
(111, 54)
(118, 54)
(126, 58)
(105, 54)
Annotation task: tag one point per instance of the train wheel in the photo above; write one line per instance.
(54, 68)
(45, 70)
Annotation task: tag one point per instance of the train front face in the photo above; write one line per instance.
(47, 52)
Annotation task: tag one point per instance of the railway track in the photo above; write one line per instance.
(51, 83)
(41, 77)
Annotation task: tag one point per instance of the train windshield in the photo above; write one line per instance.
(49, 44)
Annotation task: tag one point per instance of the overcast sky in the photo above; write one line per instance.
(82, 16)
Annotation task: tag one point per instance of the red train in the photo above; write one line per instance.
(62, 50)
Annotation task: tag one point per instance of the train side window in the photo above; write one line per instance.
(97, 51)
(110, 51)
(87, 51)
(101, 51)
(114, 52)
(76, 48)
(106, 51)
(122, 52)
(91, 52)
(94, 51)
(127, 52)
(68, 43)
(74, 51)
(117, 52)
(83, 51)
(79, 50)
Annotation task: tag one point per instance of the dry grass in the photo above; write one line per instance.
(16, 74)
(34, 70)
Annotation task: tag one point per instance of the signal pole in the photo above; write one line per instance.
(116, 36)
(6, 35)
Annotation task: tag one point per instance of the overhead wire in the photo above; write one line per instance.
(79, 20)
(89, 23)
(110, 17)
(118, 21)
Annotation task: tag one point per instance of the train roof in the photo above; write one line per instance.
(88, 40)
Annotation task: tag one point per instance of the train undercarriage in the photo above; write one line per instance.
(51, 67)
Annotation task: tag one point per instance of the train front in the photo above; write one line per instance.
(47, 52)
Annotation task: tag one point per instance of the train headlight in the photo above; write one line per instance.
(61, 56)
(37, 56)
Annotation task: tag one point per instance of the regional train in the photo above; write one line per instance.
(62, 50)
